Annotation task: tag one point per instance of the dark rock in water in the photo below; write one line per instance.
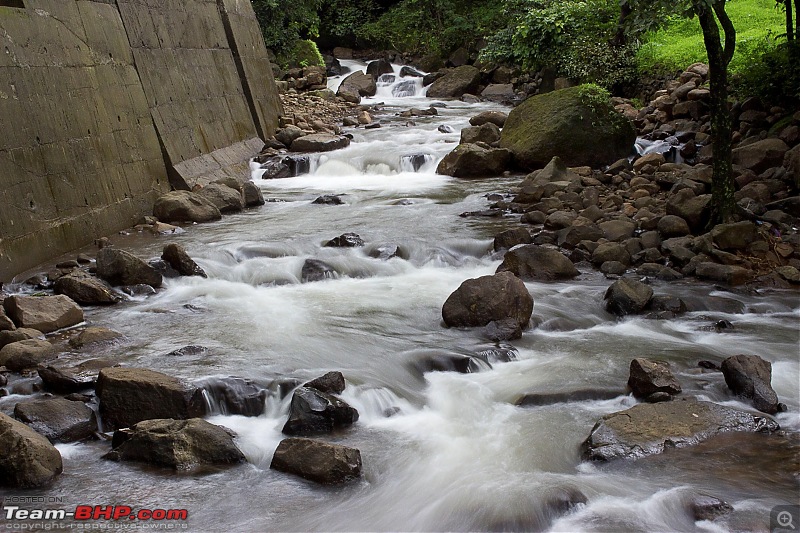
(328, 199)
(705, 507)
(378, 67)
(178, 259)
(235, 396)
(275, 168)
(85, 289)
(538, 263)
(439, 361)
(648, 429)
(28, 459)
(648, 377)
(190, 350)
(502, 353)
(384, 252)
(489, 213)
(329, 464)
(416, 161)
(473, 161)
(627, 297)
(503, 330)
(535, 399)
(119, 267)
(130, 395)
(331, 383)
(562, 500)
(316, 270)
(373, 126)
(709, 365)
(253, 197)
(444, 128)
(407, 71)
(487, 299)
(62, 381)
(315, 412)
(456, 82)
(179, 444)
(673, 305)
(58, 419)
(510, 238)
(750, 376)
(163, 268)
(94, 336)
(658, 397)
(138, 290)
(722, 325)
(346, 240)
(718, 304)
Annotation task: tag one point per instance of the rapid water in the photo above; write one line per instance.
(458, 455)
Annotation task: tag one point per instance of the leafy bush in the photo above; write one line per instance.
(306, 54)
(772, 73)
(284, 22)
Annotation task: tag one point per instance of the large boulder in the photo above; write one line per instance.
(130, 395)
(538, 263)
(510, 238)
(63, 381)
(85, 289)
(477, 302)
(179, 444)
(734, 236)
(58, 419)
(119, 267)
(45, 313)
(359, 83)
(378, 67)
(649, 377)
(761, 155)
(648, 429)
(627, 297)
(317, 461)
(330, 383)
(252, 194)
(455, 83)
(177, 258)
(27, 459)
(577, 124)
(487, 133)
(320, 142)
(20, 355)
(473, 160)
(314, 412)
(224, 198)
(185, 206)
(750, 376)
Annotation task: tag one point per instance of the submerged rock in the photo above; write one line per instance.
(27, 459)
(538, 263)
(180, 444)
(329, 464)
(648, 377)
(534, 399)
(648, 429)
(58, 419)
(94, 335)
(477, 302)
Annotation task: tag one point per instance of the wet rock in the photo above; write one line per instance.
(706, 507)
(62, 381)
(224, 198)
(315, 412)
(671, 306)
(406, 72)
(384, 252)
(648, 377)
(130, 395)
(330, 383)
(627, 297)
(648, 429)
(510, 238)
(20, 334)
(191, 350)
(487, 133)
(320, 142)
(185, 206)
(378, 67)
(28, 460)
(455, 83)
(235, 396)
(45, 313)
(329, 464)
(119, 267)
(473, 160)
(59, 420)
(439, 361)
(177, 258)
(538, 263)
(498, 118)
(488, 298)
(503, 330)
(328, 199)
(735, 236)
(358, 83)
(535, 399)
(730, 274)
(252, 195)
(444, 128)
(94, 335)
(20, 355)
(670, 226)
(750, 376)
(316, 270)
(178, 444)
(85, 289)
(345, 240)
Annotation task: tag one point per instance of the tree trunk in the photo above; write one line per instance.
(789, 23)
(722, 184)
(620, 38)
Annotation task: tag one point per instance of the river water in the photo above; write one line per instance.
(458, 455)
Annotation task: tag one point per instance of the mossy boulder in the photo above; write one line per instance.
(577, 124)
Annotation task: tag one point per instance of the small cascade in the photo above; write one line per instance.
(669, 147)
(403, 82)
(244, 397)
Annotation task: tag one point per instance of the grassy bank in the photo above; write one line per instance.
(680, 44)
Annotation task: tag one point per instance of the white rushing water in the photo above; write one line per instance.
(458, 455)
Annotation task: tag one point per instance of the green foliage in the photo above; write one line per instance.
(572, 36)
(284, 22)
(306, 54)
(772, 73)
(341, 20)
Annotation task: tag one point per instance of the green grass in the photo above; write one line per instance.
(757, 23)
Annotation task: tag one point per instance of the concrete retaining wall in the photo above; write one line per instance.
(103, 103)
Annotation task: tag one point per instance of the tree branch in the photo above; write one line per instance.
(727, 27)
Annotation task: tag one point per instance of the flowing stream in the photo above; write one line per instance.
(457, 454)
